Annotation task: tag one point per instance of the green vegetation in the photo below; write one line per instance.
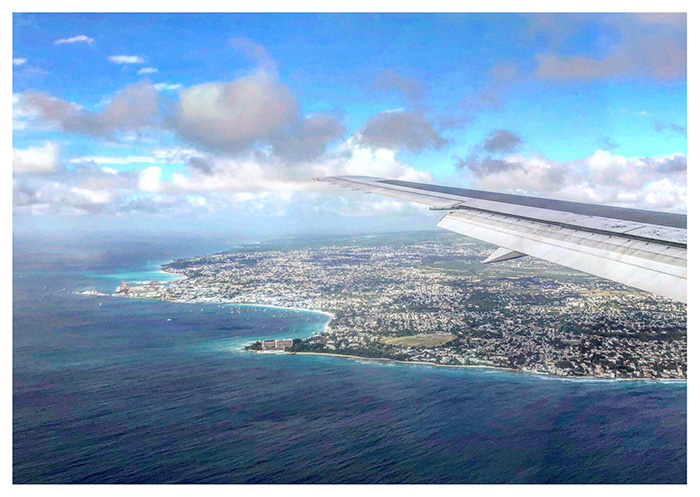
(431, 340)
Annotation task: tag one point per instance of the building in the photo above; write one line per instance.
(276, 344)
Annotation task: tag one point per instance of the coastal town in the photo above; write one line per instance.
(427, 298)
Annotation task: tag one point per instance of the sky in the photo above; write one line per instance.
(221, 121)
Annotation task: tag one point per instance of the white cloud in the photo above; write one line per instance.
(74, 39)
(127, 159)
(93, 196)
(147, 70)
(134, 108)
(257, 184)
(657, 182)
(167, 87)
(150, 179)
(161, 156)
(60, 198)
(232, 116)
(308, 138)
(664, 194)
(40, 160)
(18, 61)
(258, 172)
(400, 129)
(126, 59)
(252, 112)
(176, 154)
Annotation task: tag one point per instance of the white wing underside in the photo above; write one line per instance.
(642, 249)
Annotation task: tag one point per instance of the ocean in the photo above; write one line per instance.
(110, 390)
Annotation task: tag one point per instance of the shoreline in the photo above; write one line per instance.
(331, 316)
(90, 293)
(476, 366)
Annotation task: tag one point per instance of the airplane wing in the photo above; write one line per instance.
(642, 249)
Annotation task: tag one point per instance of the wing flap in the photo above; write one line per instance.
(648, 266)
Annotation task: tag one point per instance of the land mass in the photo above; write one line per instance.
(426, 298)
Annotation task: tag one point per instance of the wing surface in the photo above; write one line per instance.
(643, 249)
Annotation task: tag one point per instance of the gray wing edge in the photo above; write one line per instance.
(646, 256)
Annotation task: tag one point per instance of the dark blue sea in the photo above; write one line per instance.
(109, 390)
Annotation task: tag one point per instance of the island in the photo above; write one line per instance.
(427, 298)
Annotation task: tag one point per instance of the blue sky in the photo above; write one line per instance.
(208, 116)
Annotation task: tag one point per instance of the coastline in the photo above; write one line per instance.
(331, 316)
(91, 293)
(474, 366)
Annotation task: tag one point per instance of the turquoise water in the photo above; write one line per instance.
(113, 280)
(136, 276)
(109, 390)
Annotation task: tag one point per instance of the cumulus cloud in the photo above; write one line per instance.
(252, 112)
(604, 177)
(19, 61)
(255, 111)
(668, 165)
(41, 160)
(501, 140)
(92, 176)
(263, 171)
(132, 109)
(390, 80)
(201, 165)
(147, 70)
(252, 151)
(258, 182)
(644, 182)
(394, 130)
(481, 158)
(83, 189)
(74, 39)
(59, 198)
(307, 138)
(150, 179)
(232, 116)
(126, 59)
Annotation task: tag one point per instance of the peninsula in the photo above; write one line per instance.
(426, 298)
